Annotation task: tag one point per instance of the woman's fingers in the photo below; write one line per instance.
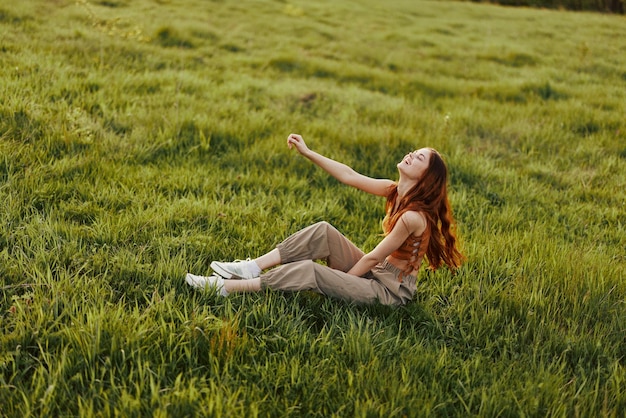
(293, 139)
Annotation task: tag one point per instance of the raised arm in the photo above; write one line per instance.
(340, 171)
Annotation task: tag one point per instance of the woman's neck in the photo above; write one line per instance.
(403, 187)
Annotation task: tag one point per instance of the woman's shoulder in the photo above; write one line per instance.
(415, 221)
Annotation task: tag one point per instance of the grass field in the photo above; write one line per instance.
(141, 139)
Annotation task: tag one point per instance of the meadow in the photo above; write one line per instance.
(142, 139)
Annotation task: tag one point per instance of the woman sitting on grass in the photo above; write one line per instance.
(418, 223)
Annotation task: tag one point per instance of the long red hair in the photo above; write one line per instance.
(430, 197)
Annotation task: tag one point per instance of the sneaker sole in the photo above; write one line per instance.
(217, 269)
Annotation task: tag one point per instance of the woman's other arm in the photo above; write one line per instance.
(340, 171)
(409, 223)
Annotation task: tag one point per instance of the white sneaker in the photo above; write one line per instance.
(207, 282)
(235, 270)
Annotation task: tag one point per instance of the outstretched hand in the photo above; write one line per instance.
(295, 140)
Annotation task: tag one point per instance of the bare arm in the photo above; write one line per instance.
(409, 223)
(340, 171)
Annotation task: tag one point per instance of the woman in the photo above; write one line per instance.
(418, 224)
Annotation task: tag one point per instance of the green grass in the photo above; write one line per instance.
(142, 139)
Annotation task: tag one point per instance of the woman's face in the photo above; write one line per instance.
(414, 164)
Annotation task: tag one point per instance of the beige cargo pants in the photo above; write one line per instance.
(322, 241)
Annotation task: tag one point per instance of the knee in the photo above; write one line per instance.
(324, 226)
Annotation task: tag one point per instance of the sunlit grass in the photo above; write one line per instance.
(142, 139)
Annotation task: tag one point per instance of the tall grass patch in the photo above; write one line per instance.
(142, 140)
